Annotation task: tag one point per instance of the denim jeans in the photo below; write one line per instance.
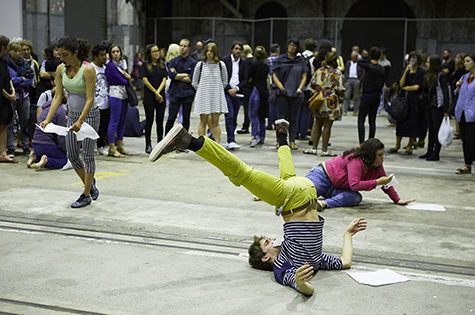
(176, 104)
(352, 87)
(273, 112)
(118, 109)
(334, 197)
(22, 107)
(231, 116)
(258, 123)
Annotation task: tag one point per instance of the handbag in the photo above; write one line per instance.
(315, 101)
(131, 96)
(398, 107)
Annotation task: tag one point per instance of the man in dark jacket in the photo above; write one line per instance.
(353, 74)
(180, 70)
(237, 83)
(373, 82)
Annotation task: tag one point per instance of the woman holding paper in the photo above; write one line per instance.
(79, 79)
(340, 179)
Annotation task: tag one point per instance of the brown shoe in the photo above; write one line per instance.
(176, 139)
(464, 170)
(293, 146)
(121, 149)
(113, 151)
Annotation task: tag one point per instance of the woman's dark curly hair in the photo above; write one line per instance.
(72, 44)
(148, 57)
(366, 152)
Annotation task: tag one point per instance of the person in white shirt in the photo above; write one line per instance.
(101, 95)
(353, 75)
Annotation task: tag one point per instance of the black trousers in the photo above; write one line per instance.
(434, 117)
(105, 115)
(467, 134)
(288, 108)
(150, 108)
(368, 107)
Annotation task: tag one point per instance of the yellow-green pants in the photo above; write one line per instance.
(288, 191)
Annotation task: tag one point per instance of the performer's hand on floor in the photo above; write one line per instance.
(356, 225)
(405, 202)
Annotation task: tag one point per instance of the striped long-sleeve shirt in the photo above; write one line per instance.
(303, 242)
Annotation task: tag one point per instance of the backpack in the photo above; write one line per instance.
(309, 68)
(440, 94)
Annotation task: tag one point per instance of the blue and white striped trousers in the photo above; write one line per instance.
(73, 146)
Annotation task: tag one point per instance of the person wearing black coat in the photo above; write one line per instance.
(237, 84)
(437, 105)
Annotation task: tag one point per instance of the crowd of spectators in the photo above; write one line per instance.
(269, 86)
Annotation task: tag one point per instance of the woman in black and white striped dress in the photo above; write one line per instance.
(209, 79)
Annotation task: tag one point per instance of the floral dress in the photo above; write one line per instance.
(330, 81)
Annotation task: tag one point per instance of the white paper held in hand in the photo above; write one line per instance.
(86, 131)
(391, 183)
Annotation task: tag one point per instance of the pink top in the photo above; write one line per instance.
(345, 173)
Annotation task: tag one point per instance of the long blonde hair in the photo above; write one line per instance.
(211, 46)
(172, 52)
(247, 51)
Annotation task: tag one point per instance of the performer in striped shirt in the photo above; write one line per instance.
(296, 260)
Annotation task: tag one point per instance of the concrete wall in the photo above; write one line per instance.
(11, 18)
(35, 23)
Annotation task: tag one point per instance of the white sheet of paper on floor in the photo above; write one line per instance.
(86, 131)
(378, 277)
(425, 206)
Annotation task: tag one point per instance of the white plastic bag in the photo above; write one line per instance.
(446, 132)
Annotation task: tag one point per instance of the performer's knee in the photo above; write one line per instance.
(357, 198)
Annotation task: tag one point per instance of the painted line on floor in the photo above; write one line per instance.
(423, 169)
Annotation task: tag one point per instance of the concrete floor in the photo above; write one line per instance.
(171, 238)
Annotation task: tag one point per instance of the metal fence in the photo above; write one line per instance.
(397, 35)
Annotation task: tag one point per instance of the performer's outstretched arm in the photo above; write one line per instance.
(347, 252)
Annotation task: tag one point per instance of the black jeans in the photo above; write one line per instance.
(288, 108)
(150, 108)
(467, 134)
(434, 117)
(368, 107)
(105, 115)
(175, 103)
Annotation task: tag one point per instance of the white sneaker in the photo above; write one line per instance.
(103, 151)
(232, 146)
(67, 166)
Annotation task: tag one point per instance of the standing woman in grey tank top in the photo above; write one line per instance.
(79, 78)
